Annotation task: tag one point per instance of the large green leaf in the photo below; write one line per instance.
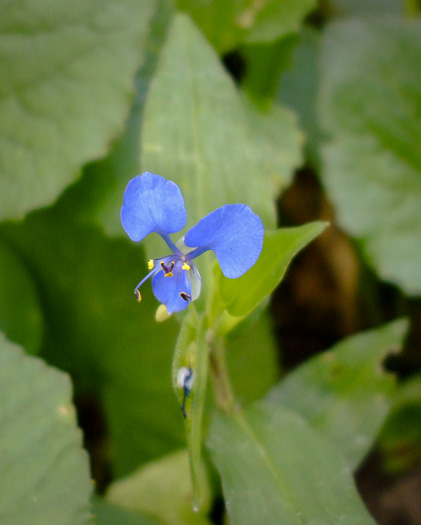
(98, 196)
(370, 103)
(20, 320)
(44, 473)
(241, 296)
(97, 330)
(198, 131)
(276, 469)
(66, 74)
(345, 393)
(228, 23)
(163, 490)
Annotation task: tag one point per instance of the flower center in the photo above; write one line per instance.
(168, 269)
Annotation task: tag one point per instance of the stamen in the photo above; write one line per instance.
(138, 296)
(150, 264)
(168, 269)
(185, 266)
(185, 296)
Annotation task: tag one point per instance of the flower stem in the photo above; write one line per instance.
(221, 383)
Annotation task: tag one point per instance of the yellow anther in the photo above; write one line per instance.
(138, 296)
(169, 274)
(185, 266)
(150, 264)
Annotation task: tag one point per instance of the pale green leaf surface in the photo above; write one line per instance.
(276, 469)
(372, 161)
(96, 330)
(241, 296)
(109, 514)
(162, 490)
(345, 393)
(44, 473)
(21, 320)
(198, 132)
(276, 141)
(66, 75)
(227, 23)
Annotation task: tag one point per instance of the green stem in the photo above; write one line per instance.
(219, 372)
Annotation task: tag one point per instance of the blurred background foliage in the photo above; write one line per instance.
(305, 111)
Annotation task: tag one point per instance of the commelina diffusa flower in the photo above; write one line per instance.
(153, 204)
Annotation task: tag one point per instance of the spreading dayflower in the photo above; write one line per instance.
(153, 204)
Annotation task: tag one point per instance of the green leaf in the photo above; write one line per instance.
(112, 345)
(227, 23)
(66, 83)
(298, 89)
(273, 19)
(192, 352)
(264, 63)
(98, 196)
(276, 469)
(109, 514)
(44, 473)
(276, 141)
(20, 320)
(163, 490)
(400, 439)
(372, 162)
(241, 296)
(206, 138)
(345, 393)
(252, 357)
(364, 8)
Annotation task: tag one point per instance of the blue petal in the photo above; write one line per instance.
(168, 289)
(234, 233)
(152, 204)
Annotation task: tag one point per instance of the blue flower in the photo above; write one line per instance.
(153, 204)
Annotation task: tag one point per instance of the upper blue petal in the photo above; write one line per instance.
(168, 289)
(234, 233)
(152, 204)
